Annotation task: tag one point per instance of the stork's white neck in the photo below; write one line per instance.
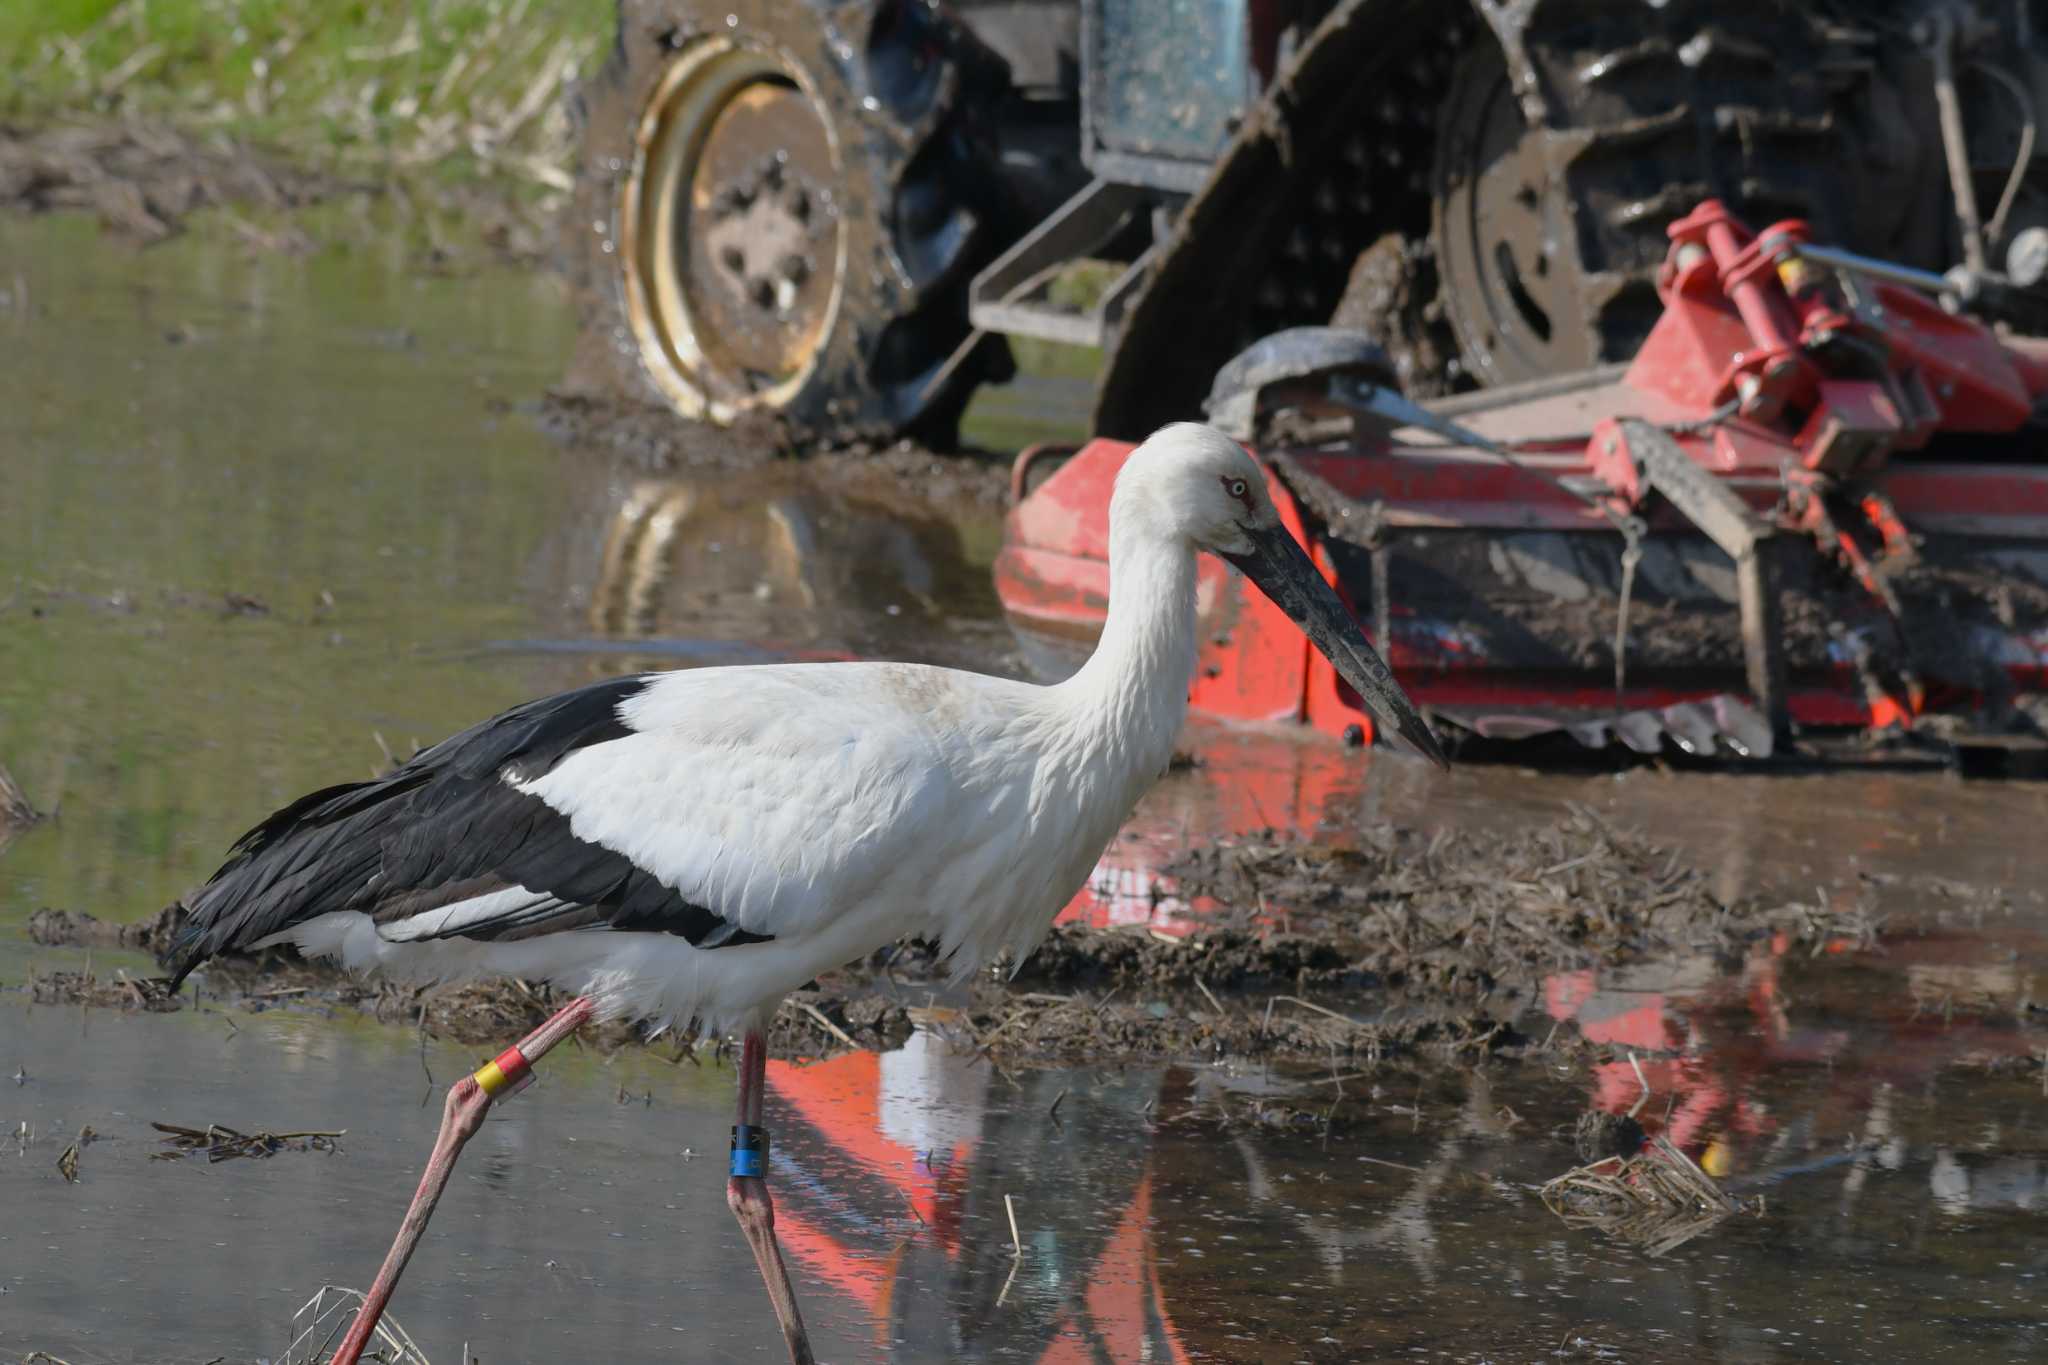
(1132, 694)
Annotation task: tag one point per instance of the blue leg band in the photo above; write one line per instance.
(749, 1150)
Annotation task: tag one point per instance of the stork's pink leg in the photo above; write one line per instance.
(747, 1193)
(469, 1099)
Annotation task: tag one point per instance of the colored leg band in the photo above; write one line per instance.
(749, 1150)
(504, 1074)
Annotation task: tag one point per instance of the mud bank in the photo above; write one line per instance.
(1401, 943)
(145, 180)
(654, 441)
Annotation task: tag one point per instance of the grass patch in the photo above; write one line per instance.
(473, 86)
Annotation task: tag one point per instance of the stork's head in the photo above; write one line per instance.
(1194, 484)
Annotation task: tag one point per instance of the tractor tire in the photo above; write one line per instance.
(778, 209)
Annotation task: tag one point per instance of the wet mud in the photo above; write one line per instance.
(653, 441)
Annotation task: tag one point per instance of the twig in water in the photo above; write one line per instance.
(1016, 1263)
(1339, 1080)
(423, 1059)
(1053, 1113)
(1210, 996)
(1312, 1005)
(1016, 1242)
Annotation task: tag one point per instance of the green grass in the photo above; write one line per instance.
(476, 84)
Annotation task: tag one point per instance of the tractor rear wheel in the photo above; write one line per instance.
(778, 209)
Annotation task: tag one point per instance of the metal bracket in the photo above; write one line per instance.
(1008, 296)
(1752, 543)
(1395, 410)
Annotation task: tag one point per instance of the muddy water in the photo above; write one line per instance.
(262, 516)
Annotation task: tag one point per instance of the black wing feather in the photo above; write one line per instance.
(443, 827)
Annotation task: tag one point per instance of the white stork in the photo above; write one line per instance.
(689, 847)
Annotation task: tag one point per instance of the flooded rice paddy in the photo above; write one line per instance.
(265, 517)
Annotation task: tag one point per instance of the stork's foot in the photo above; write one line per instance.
(748, 1197)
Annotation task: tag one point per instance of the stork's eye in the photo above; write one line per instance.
(1236, 488)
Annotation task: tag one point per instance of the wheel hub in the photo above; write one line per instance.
(734, 266)
(761, 236)
(1512, 281)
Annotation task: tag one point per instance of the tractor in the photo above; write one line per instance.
(836, 214)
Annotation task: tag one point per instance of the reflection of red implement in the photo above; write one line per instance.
(907, 1229)
(1816, 498)
(1708, 1041)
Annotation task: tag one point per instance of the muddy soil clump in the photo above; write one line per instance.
(66, 929)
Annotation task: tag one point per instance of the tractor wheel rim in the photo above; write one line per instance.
(733, 247)
(1505, 239)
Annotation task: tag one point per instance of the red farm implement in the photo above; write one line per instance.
(1815, 500)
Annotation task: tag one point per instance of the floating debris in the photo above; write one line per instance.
(222, 1143)
(327, 1315)
(67, 1162)
(1657, 1200)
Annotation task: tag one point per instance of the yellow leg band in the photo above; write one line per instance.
(503, 1072)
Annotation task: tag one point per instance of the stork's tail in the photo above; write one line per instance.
(183, 952)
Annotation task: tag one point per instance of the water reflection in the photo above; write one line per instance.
(773, 560)
(1153, 1231)
(893, 1191)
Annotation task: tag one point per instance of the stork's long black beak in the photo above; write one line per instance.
(1284, 572)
